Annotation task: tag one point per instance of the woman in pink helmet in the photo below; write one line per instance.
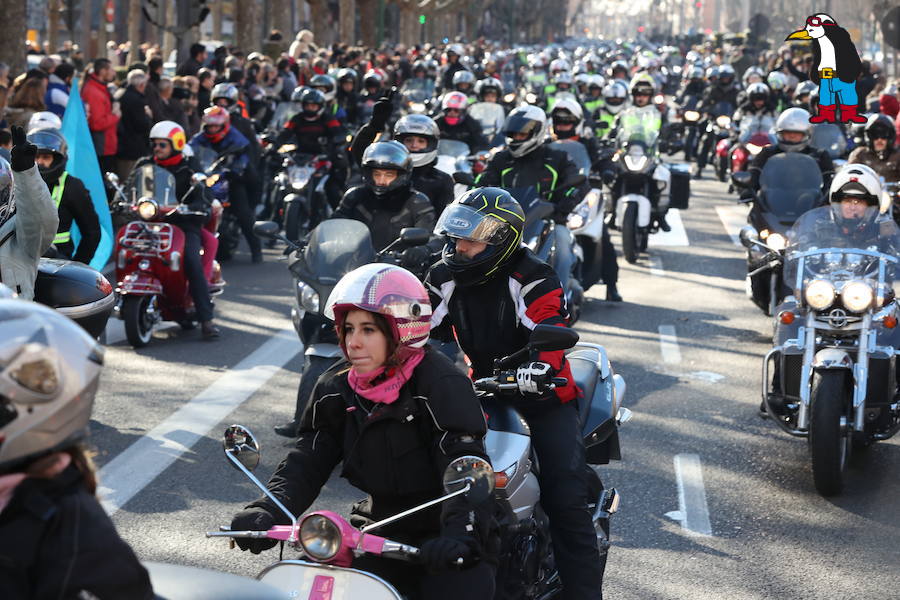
(396, 414)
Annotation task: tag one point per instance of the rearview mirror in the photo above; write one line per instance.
(240, 444)
(112, 178)
(547, 338)
(266, 229)
(463, 178)
(748, 236)
(414, 236)
(471, 470)
(741, 179)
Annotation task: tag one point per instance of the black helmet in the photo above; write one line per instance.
(726, 76)
(489, 215)
(312, 96)
(528, 119)
(387, 155)
(325, 84)
(880, 126)
(50, 141)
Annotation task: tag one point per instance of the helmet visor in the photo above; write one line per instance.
(461, 221)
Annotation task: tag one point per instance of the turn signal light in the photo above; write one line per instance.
(501, 480)
(786, 317)
(890, 322)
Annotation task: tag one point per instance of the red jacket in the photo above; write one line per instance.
(96, 95)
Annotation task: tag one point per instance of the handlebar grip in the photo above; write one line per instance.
(559, 381)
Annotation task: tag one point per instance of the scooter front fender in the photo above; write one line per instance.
(644, 208)
(309, 580)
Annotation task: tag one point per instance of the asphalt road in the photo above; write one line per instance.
(716, 503)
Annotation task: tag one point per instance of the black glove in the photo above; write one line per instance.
(253, 519)
(413, 259)
(442, 553)
(382, 111)
(23, 152)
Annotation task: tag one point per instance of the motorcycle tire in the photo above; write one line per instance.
(229, 238)
(295, 219)
(721, 169)
(630, 242)
(138, 323)
(829, 447)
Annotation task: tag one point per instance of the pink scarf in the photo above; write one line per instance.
(383, 384)
(9, 483)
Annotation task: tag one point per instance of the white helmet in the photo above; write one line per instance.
(575, 116)
(44, 120)
(456, 49)
(559, 64)
(49, 371)
(777, 81)
(860, 182)
(528, 119)
(172, 131)
(615, 94)
(793, 119)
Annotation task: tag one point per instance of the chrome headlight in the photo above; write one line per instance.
(691, 116)
(509, 98)
(776, 241)
(148, 209)
(819, 294)
(308, 296)
(320, 538)
(531, 98)
(857, 296)
(417, 107)
(723, 121)
(300, 176)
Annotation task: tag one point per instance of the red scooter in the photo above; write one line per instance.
(152, 284)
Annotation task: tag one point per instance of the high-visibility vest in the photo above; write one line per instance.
(62, 237)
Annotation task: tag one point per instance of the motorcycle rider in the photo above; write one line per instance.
(56, 541)
(453, 53)
(489, 291)
(723, 91)
(72, 199)
(792, 133)
(802, 94)
(615, 95)
(347, 98)
(218, 134)
(328, 86)
(419, 133)
(167, 139)
(489, 89)
(464, 82)
(454, 123)
(391, 391)
(227, 95)
(28, 218)
(593, 99)
(879, 151)
(755, 113)
(308, 127)
(568, 123)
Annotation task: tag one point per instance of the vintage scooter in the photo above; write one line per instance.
(149, 270)
(328, 542)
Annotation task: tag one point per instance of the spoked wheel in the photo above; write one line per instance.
(829, 437)
(630, 241)
(140, 315)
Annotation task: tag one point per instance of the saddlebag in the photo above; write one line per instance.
(680, 182)
(597, 405)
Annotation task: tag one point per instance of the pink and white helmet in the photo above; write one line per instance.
(387, 290)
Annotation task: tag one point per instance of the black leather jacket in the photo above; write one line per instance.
(387, 215)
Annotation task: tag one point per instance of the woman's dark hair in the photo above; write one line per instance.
(64, 70)
(82, 459)
(385, 328)
(30, 95)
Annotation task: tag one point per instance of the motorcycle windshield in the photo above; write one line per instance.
(638, 127)
(336, 247)
(829, 138)
(205, 157)
(791, 184)
(577, 152)
(722, 108)
(818, 248)
(418, 90)
(751, 126)
(283, 113)
(155, 182)
(452, 148)
(490, 115)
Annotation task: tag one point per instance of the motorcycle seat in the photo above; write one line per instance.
(176, 582)
(583, 363)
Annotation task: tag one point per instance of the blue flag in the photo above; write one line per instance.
(84, 165)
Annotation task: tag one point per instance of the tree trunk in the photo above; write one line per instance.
(168, 38)
(280, 17)
(408, 23)
(318, 15)
(247, 19)
(87, 10)
(348, 21)
(12, 48)
(367, 18)
(53, 26)
(216, 20)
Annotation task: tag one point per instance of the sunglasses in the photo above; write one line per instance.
(162, 144)
(817, 22)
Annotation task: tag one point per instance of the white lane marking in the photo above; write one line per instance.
(693, 510)
(132, 470)
(656, 268)
(733, 219)
(668, 345)
(676, 237)
(706, 376)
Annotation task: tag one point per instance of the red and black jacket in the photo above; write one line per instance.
(495, 319)
(308, 134)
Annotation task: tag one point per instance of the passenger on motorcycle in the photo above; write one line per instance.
(488, 89)
(453, 55)
(454, 123)
(28, 218)
(387, 202)
(72, 199)
(756, 104)
(792, 133)
(227, 95)
(218, 135)
(464, 83)
(568, 123)
(802, 95)
(593, 99)
(308, 128)
(879, 152)
(527, 161)
(328, 86)
(489, 291)
(56, 541)
(168, 141)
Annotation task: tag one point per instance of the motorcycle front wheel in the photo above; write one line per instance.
(139, 314)
(829, 445)
(630, 242)
(229, 237)
(295, 219)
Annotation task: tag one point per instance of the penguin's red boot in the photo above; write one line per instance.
(848, 114)
(825, 114)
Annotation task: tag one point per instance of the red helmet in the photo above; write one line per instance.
(455, 100)
(216, 116)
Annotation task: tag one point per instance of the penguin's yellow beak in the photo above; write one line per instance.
(799, 35)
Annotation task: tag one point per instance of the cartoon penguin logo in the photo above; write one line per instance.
(836, 66)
